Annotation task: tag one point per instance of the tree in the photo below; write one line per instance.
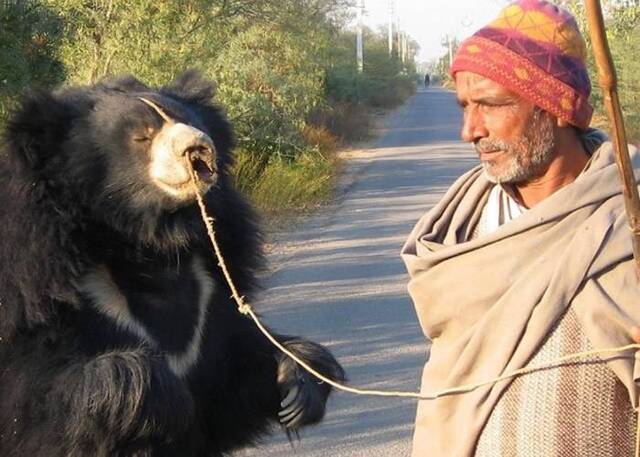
(28, 49)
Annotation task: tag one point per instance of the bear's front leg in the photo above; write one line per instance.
(304, 397)
(123, 402)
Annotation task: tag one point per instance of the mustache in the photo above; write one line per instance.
(486, 145)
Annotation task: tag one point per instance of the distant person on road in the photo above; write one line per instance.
(427, 80)
(527, 258)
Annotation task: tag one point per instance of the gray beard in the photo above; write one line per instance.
(528, 157)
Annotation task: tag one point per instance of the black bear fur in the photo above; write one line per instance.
(81, 219)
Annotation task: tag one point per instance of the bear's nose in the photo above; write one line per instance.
(186, 140)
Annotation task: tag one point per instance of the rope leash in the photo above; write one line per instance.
(247, 310)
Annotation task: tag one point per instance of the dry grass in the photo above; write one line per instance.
(321, 138)
(347, 122)
(281, 187)
(600, 121)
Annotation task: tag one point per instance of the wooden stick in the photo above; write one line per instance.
(609, 84)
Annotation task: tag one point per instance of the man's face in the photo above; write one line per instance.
(514, 139)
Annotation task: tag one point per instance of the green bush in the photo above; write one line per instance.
(279, 186)
(269, 81)
(152, 39)
(289, 90)
(626, 51)
(29, 39)
(384, 83)
(347, 121)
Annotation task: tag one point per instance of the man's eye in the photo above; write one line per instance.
(141, 139)
(496, 105)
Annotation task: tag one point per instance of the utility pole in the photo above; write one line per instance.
(406, 47)
(398, 37)
(391, 27)
(450, 50)
(359, 41)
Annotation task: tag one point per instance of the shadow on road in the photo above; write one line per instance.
(338, 279)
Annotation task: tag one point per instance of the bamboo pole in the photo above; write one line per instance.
(609, 83)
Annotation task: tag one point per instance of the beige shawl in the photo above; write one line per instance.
(487, 304)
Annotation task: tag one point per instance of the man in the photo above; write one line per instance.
(527, 258)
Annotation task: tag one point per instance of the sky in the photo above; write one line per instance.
(429, 21)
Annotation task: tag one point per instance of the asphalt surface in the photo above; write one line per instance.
(337, 278)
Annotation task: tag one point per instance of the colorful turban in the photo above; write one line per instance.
(534, 49)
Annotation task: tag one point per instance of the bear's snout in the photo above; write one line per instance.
(177, 148)
(186, 140)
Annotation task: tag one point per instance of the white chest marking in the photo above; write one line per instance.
(111, 302)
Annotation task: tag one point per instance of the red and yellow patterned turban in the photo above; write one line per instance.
(534, 49)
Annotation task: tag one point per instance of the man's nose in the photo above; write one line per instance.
(473, 126)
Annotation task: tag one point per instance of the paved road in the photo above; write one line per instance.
(339, 280)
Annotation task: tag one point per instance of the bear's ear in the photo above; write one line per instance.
(191, 86)
(195, 90)
(126, 84)
(37, 128)
(219, 129)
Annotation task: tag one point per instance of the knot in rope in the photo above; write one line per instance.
(244, 308)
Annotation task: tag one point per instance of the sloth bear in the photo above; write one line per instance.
(118, 336)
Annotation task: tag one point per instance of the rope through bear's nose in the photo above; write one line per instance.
(158, 110)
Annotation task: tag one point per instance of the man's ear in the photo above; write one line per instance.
(37, 128)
